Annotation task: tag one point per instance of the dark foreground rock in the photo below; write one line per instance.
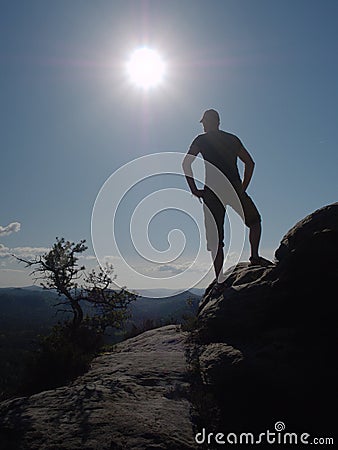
(268, 342)
(133, 398)
(264, 352)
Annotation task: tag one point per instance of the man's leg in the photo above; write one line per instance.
(218, 259)
(254, 238)
(252, 219)
(214, 213)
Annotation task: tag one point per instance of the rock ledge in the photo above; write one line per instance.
(133, 398)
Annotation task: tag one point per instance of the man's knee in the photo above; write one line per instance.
(216, 249)
(254, 224)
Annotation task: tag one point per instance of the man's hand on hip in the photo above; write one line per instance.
(198, 193)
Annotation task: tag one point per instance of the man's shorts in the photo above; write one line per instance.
(214, 214)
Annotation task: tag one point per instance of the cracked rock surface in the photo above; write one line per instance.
(133, 398)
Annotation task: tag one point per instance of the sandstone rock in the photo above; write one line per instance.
(134, 398)
(242, 308)
(286, 292)
(219, 363)
(269, 338)
(325, 218)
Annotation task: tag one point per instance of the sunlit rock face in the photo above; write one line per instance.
(268, 341)
(133, 398)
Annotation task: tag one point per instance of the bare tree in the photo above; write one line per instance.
(59, 270)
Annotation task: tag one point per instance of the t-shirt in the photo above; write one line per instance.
(220, 149)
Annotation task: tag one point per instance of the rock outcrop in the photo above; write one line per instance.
(304, 232)
(133, 398)
(268, 342)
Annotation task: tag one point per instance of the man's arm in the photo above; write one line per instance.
(186, 165)
(249, 165)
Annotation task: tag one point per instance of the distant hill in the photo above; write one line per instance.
(26, 313)
(166, 309)
(35, 306)
(165, 293)
(32, 305)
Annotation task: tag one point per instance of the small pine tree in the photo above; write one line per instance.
(59, 270)
(67, 351)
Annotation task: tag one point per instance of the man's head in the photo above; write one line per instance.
(210, 120)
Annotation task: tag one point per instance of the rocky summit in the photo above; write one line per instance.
(263, 352)
(267, 342)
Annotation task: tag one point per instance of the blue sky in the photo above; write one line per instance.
(69, 117)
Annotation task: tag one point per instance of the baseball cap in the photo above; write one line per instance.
(211, 115)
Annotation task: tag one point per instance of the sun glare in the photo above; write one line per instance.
(145, 68)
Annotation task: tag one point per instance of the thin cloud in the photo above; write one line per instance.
(12, 271)
(175, 269)
(13, 227)
(88, 257)
(4, 251)
(170, 268)
(29, 252)
(22, 252)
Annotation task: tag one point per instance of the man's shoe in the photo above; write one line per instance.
(259, 261)
(219, 288)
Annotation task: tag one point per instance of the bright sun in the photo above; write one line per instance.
(145, 68)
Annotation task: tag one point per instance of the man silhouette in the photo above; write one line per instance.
(221, 150)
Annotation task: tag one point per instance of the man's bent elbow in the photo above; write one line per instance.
(250, 165)
(186, 165)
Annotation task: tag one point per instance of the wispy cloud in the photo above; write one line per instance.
(32, 252)
(13, 227)
(171, 268)
(29, 252)
(22, 252)
(13, 271)
(88, 257)
(4, 251)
